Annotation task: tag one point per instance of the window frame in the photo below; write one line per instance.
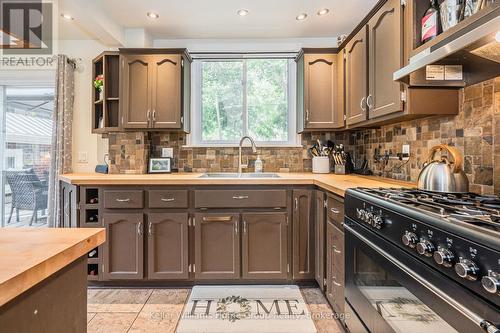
(194, 139)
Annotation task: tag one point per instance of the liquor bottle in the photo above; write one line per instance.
(431, 22)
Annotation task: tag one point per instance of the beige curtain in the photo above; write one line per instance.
(61, 134)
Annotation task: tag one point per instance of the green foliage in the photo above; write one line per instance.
(266, 93)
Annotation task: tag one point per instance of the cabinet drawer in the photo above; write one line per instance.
(240, 198)
(168, 199)
(123, 198)
(335, 210)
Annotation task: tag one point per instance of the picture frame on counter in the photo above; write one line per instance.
(160, 165)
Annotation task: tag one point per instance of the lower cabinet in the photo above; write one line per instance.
(335, 271)
(303, 235)
(217, 246)
(123, 251)
(167, 244)
(264, 246)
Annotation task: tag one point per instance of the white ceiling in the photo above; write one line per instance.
(218, 19)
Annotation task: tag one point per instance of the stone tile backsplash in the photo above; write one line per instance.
(475, 131)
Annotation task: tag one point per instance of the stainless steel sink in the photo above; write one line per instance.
(242, 175)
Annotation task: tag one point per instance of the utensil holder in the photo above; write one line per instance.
(340, 169)
(321, 164)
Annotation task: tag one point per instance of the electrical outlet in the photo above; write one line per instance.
(167, 152)
(406, 152)
(82, 157)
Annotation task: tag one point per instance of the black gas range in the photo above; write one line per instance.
(418, 260)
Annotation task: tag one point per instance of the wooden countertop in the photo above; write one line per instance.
(334, 183)
(29, 255)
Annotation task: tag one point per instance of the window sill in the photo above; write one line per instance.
(229, 145)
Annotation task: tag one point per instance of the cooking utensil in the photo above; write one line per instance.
(443, 175)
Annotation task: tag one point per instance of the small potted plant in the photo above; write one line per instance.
(99, 85)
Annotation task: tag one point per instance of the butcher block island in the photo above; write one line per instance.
(43, 280)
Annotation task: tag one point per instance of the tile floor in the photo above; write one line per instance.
(158, 310)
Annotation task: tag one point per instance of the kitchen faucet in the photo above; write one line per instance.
(254, 150)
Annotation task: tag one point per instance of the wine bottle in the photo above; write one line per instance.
(93, 218)
(92, 253)
(431, 22)
(94, 200)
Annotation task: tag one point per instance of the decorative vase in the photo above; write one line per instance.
(101, 95)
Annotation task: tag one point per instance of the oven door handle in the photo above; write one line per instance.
(474, 317)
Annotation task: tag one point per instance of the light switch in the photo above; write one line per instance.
(82, 157)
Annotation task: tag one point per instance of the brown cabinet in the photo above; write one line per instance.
(335, 271)
(303, 235)
(356, 78)
(264, 246)
(318, 91)
(320, 224)
(168, 250)
(217, 246)
(385, 56)
(124, 247)
(155, 88)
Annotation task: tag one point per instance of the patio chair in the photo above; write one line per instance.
(28, 193)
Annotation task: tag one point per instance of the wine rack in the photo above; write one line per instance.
(90, 218)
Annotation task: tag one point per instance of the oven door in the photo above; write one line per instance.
(393, 292)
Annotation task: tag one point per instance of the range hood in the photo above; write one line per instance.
(474, 46)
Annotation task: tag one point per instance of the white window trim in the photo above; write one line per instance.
(194, 138)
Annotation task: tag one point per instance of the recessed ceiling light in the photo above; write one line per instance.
(301, 17)
(497, 36)
(67, 17)
(242, 12)
(323, 11)
(153, 15)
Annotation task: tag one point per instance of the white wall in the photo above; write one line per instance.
(83, 140)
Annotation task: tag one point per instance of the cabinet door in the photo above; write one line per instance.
(168, 246)
(319, 253)
(340, 111)
(335, 267)
(166, 92)
(356, 77)
(385, 57)
(217, 246)
(264, 246)
(136, 91)
(329, 263)
(68, 206)
(124, 246)
(320, 91)
(303, 236)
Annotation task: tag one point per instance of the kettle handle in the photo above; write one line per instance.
(454, 152)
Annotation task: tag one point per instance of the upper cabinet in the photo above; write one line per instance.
(155, 89)
(356, 78)
(385, 56)
(318, 91)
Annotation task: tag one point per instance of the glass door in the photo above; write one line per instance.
(26, 123)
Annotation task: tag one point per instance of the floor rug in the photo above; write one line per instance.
(246, 309)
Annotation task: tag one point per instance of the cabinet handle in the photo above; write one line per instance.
(154, 115)
(336, 250)
(240, 197)
(296, 203)
(236, 227)
(123, 200)
(167, 199)
(335, 282)
(139, 228)
(368, 103)
(150, 228)
(148, 115)
(334, 210)
(362, 104)
(307, 115)
(244, 227)
(217, 218)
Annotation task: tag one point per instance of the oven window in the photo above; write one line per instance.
(402, 310)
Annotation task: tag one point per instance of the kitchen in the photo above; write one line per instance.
(319, 167)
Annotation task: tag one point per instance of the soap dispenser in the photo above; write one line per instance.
(258, 165)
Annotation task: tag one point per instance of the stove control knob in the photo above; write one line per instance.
(409, 239)
(378, 222)
(444, 257)
(360, 213)
(425, 248)
(467, 269)
(491, 282)
(369, 218)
